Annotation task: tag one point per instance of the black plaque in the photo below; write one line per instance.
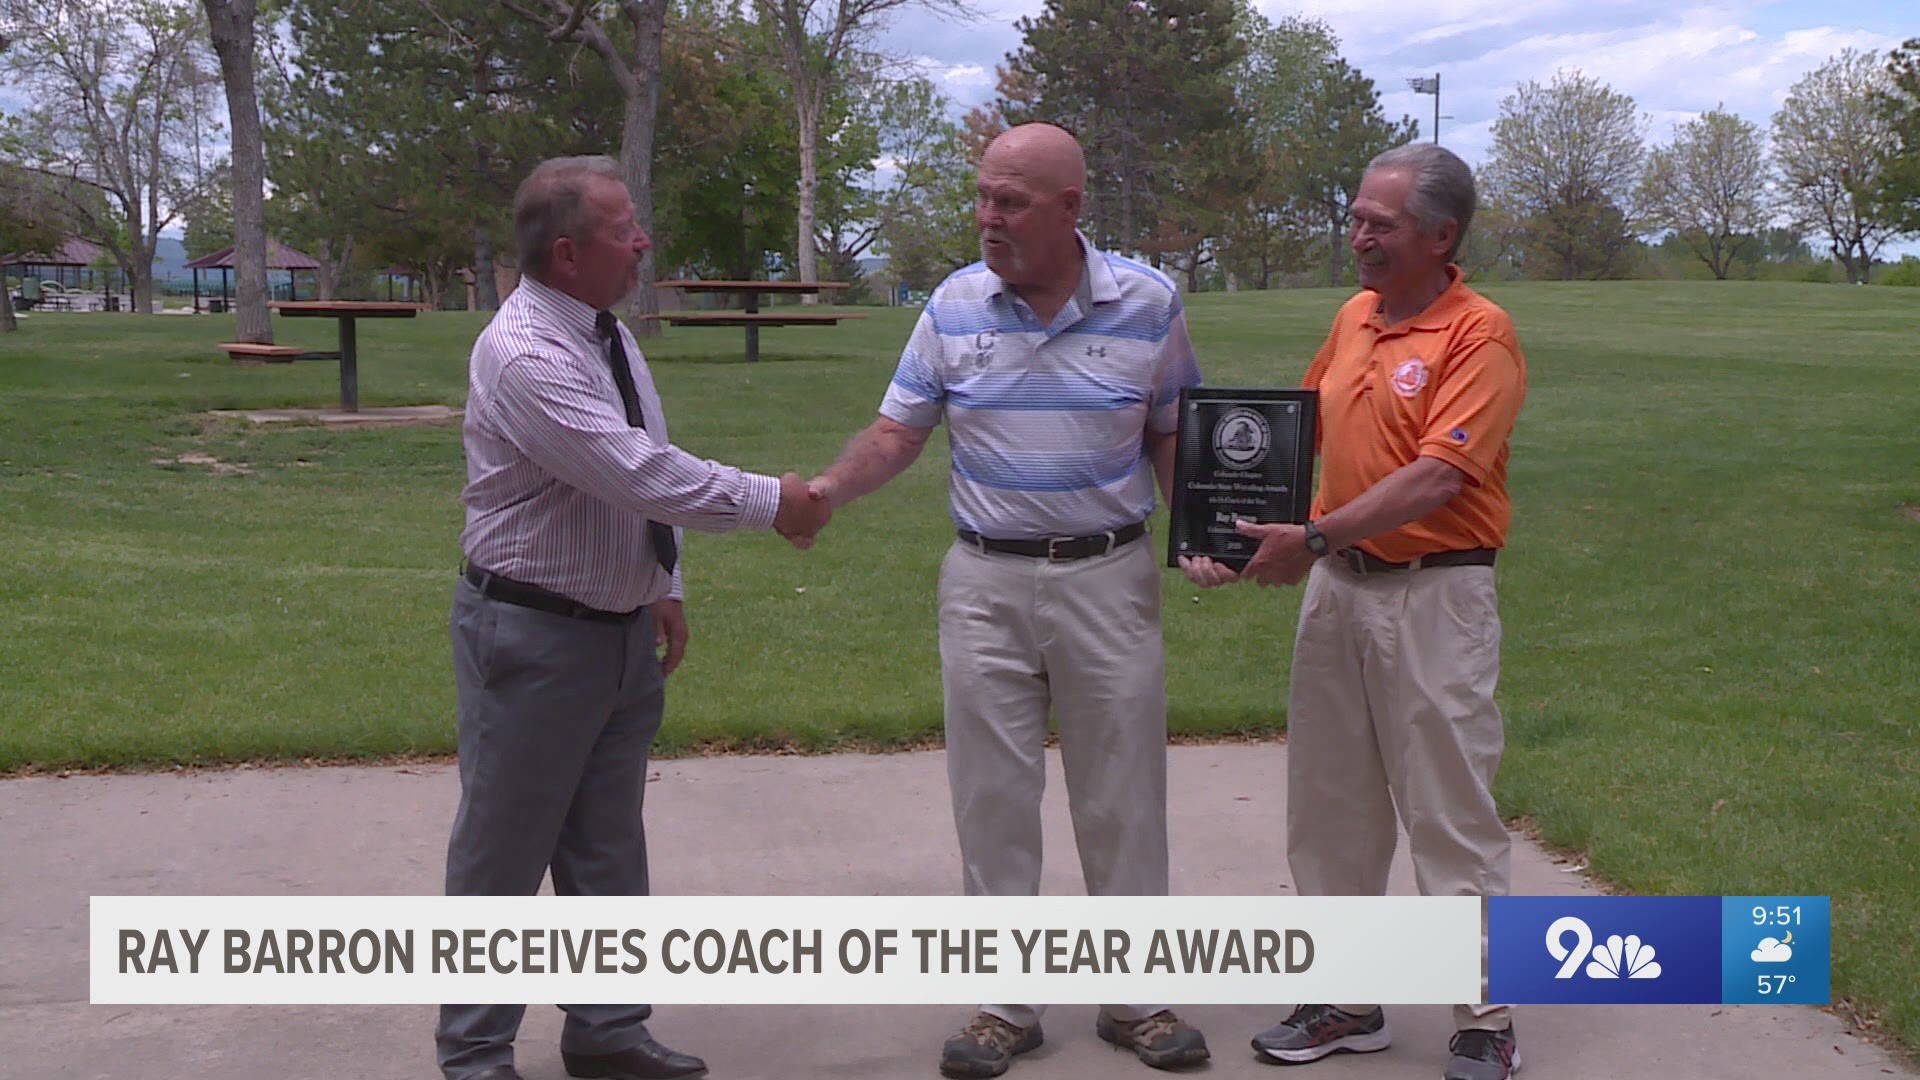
(1242, 453)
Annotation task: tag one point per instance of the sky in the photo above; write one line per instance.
(1676, 60)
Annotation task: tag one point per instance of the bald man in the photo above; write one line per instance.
(1058, 370)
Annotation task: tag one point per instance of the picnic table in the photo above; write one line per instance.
(346, 311)
(750, 315)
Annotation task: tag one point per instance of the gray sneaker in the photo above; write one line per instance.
(1315, 1031)
(1483, 1055)
(1162, 1040)
(986, 1047)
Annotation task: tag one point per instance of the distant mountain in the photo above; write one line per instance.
(170, 260)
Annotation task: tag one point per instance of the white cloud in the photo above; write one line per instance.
(966, 75)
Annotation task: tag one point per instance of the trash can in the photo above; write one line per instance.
(113, 302)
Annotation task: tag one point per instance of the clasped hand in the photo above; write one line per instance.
(803, 512)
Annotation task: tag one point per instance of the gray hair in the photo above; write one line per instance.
(1442, 186)
(552, 203)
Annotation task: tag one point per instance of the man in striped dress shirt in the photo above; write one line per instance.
(1058, 370)
(571, 589)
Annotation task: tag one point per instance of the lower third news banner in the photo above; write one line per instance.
(771, 950)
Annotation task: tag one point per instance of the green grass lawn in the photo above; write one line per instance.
(1712, 599)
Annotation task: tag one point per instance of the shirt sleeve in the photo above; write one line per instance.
(568, 425)
(1174, 369)
(1474, 408)
(917, 397)
(1316, 372)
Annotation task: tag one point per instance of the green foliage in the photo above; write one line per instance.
(726, 168)
(1147, 87)
(210, 219)
(1906, 274)
(1831, 141)
(1565, 160)
(402, 130)
(1708, 187)
(1899, 102)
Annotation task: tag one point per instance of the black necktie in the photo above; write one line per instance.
(657, 531)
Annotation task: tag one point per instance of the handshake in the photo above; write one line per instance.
(804, 510)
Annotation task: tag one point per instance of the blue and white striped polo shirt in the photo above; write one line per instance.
(1048, 423)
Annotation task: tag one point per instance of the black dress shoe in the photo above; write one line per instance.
(646, 1061)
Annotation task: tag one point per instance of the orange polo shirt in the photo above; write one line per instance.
(1446, 383)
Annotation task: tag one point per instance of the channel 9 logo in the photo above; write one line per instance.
(1658, 950)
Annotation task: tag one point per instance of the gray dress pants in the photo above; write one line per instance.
(556, 717)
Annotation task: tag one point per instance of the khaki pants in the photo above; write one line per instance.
(1392, 708)
(1020, 637)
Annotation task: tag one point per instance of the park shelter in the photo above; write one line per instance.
(70, 264)
(279, 257)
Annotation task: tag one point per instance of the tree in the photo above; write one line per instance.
(1900, 106)
(210, 218)
(819, 41)
(33, 217)
(111, 85)
(927, 173)
(1147, 87)
(1318, 122)
(1566, 157)
(726, 168)
(230, 23)
(633, 61)
(416, 116)
(1709, 187)
(1831, 141)
(1269, 228)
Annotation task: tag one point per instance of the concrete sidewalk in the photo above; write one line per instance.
(735, 825)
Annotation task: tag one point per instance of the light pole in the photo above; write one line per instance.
(1430, 86)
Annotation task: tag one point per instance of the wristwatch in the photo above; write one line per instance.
(1316, 541)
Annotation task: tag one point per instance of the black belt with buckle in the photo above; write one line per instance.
(1362, 562)
(520, 594)
(1059, 548)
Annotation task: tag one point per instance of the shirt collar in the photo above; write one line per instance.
(1096, 273)
(570, 311)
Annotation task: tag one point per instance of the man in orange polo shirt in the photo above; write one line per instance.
(1398, 648)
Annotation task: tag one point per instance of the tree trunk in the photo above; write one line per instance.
(231, 23)
(808, 261)
(8, 324)
(636, 151)
(328, 278)
(486, 288)
(1335, 257)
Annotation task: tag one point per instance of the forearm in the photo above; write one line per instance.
(1409, 493)
(1160, 450)
(871, 458)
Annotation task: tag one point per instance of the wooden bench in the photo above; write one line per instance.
(750, 315)
(244, 352)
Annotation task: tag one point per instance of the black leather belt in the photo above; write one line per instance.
(1059, 548)
(520, 594)
(1361, 562)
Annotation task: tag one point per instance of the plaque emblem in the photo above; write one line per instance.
(1241, 438)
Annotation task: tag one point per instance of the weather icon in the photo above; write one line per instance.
(1774, 950)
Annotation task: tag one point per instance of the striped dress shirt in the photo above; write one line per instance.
(560, 486)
